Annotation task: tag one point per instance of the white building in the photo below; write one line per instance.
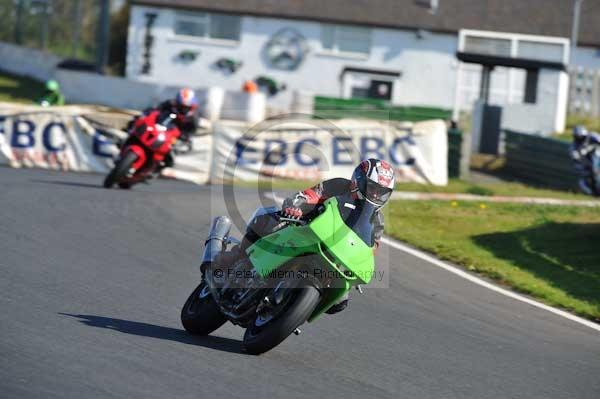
(401, 50)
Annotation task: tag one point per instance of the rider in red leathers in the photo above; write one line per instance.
(185, 107)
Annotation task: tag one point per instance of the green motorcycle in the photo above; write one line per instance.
(294, 271)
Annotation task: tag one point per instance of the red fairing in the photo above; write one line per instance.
(157, 139)
(151, 139)
(141, 156)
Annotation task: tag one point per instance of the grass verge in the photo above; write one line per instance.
(290, 185)
(454, 186)
(548, 252)
(19, 89)
(510, 189)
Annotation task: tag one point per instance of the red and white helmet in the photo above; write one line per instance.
(373, 180)
(186, 101)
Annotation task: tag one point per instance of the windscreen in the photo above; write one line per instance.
(165, 118)
(359, 216)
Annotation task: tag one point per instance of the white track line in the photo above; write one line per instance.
(461, 273)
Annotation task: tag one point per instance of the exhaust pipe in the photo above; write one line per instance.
(214, 243)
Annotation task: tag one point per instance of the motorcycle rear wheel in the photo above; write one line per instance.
(261, 339)
(200, 314)
(119, 172)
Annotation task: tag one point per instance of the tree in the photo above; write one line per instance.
(119, 27)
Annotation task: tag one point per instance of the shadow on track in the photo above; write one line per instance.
(154, 331)
(69, 183)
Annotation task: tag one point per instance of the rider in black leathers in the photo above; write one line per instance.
(372, 181)
(583, 153)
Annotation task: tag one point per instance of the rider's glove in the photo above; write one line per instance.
(292, 212)
(292, 207)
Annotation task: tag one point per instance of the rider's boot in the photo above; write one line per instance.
(339, 306)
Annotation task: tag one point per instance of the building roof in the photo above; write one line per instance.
(537, 17)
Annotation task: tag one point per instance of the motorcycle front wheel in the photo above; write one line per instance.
(119, 172)
(200, 314)
(260, 339)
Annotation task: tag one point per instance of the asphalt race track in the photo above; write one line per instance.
(92, 283)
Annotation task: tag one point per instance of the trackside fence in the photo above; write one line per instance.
(539, 160)
(339, 108)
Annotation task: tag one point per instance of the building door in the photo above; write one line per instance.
(490, 129)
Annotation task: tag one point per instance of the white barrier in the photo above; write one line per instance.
(24, 61)
(117, 92)
(63, 138)
(91, 88)
(242, 106)
(215, 103)
(315, 150)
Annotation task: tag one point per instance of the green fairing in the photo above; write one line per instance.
(326, 233)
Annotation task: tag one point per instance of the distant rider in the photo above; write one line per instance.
(583, 153)
(372, 182)
(52, 94)
(185, 107)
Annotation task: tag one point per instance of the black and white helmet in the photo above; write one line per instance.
(373, 180)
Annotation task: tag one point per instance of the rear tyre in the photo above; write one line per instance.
(261, 339)
(200, 315)
(119, 172)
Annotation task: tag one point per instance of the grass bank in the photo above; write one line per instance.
(510, 189)
(19, 89)
(454, 186)
(548, 252)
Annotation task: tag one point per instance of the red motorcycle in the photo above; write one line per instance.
(149, 142)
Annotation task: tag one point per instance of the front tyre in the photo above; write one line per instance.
(200, 314)
(261, 339)
(119, 172)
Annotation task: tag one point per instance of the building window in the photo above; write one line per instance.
(346, 39)
(488, 46)
(208, 26)
(551, 52)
